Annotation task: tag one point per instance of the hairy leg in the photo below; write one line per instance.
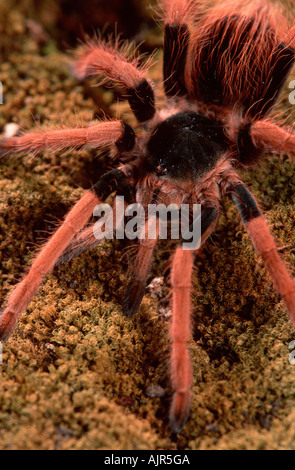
(176, 39)
(99, 134)
(112, 61)
(181, 280)
(264, 244)
(181, 368)
(53, 249)
(139, 272)
(273, 137)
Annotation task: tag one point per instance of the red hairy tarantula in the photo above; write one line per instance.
(223, 71)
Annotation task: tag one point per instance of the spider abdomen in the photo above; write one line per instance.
(186, 145)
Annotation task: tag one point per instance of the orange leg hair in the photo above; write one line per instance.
(176, 41)
(176, 12)
(275, 138)
(181, 367)
(265, 246)
(181, 280)
(140, 270)
(44, 262)
(98, 134)
(55, 247)
(85, 240)
(112, 62)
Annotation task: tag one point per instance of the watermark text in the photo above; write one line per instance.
(158, 221)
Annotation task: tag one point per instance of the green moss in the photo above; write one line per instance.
(76, 372)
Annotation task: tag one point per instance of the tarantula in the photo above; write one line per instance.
(223, 71)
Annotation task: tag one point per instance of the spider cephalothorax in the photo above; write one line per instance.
(185, 146)
(223, 70)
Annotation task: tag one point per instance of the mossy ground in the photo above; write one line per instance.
(76, 372)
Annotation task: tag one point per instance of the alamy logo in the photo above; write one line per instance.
(158, 222)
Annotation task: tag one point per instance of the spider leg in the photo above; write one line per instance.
(275, 138)
(55, 246)
(176, 39)
(181, 279)
(99, 134)
(86, 239)
(99, 57)
(264, 244)
(140, 270)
